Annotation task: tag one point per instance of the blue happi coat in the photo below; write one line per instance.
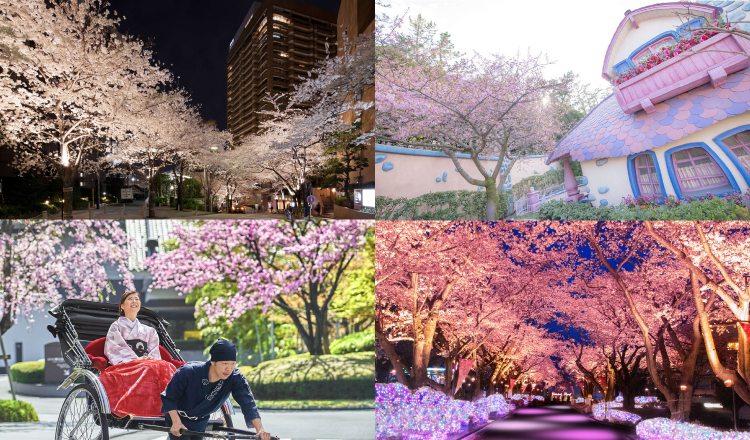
(189, 392)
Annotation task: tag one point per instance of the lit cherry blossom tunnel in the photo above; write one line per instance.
(554, 422)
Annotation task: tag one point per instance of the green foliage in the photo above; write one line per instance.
(340, 201)
(26, 211)
(344, 158)
(538, 182)
(17, 411)
(355, 298)
(192, 188)
(163, 185)
(242, 332)
(354, 343)
(191, 204)
(27, 372)
(716, 209)
(445, 205)
(306, 377)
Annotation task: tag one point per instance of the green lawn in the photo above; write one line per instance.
(315, 404)
(527, 216)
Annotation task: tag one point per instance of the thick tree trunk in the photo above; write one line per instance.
(67, 173)
(152, 196)
(492, 200)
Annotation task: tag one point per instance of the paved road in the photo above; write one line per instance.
(552, 422)
(136, 210)
(294, 425)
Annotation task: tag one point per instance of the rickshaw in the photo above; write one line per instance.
(85, 413)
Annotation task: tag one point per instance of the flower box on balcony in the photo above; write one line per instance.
(711, 60)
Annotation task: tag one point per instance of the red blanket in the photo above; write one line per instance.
(134, 387)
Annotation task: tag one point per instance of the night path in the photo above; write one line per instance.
(552, 422)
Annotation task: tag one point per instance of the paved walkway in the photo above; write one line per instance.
(293, 425)
(552, 422)
(136, 210)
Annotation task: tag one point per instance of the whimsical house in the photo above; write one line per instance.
(677, 122)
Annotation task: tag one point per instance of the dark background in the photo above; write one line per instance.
(191, 38)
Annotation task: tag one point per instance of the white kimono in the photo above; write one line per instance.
(128, 340)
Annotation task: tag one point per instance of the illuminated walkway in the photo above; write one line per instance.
(552, 422)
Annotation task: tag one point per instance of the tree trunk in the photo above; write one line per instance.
(67, 173)
(492, 200)
(152, 196)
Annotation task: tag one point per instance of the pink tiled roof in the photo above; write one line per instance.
(608, 132)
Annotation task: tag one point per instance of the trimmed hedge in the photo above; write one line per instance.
(27, 372)
(17, 411)
(354, 343)
(716, 209)
(444, 205)
(305, 377)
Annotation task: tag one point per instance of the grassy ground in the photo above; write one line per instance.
(528, 216)
(316, 404)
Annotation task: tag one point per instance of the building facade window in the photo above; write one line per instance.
(644, 174)
(695, 170)
(739, 145)
(648, 178)
(736, 145)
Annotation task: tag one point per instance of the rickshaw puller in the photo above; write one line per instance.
(198, 389)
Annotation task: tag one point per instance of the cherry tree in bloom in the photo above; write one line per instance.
(161, 125)
(715, 255)
(67, 77)
(42, 261)
(292, 136)
(483, 107)
(426, 272)
(270, 262)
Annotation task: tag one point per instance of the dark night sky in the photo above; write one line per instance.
(191, 38)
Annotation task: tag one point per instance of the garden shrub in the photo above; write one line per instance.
(354, 343)
(305, 377)
(696, 209)
(17, 411)
(444, 205)
(27, 211)
(27, 372)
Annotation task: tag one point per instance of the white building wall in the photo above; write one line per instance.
(614, 174)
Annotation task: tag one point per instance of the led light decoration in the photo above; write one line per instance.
(617, 414)
(428, 414)
(665, 429)
(580, 400)
(645, 399)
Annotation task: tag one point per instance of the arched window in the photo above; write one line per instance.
(648, 177)
(652, 48)
(697, 172)
(739, 145)
(645, 175)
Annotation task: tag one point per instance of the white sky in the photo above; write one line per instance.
(574, 33)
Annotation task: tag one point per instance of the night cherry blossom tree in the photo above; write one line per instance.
(161, 125)
(484, 107)
(271, 262)
(715, 255)
(427, 272)
(632, 270)
(67, 76)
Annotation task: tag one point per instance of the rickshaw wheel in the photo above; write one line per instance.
(81, 418)
(222, 412)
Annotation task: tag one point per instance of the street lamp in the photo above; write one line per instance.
(729, 383)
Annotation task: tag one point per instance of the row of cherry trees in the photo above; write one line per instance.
(78, 96)
(626, 301)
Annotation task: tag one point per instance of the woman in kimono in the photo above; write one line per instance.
(137, 374)
(128, 339)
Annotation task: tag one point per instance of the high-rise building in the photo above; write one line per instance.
(279, 40)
